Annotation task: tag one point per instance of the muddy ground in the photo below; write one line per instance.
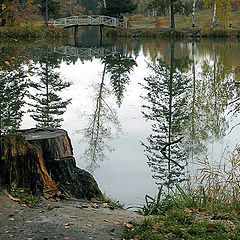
(69, 219)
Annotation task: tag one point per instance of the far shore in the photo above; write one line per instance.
(174, 33)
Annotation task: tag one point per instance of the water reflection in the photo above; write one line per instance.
(191, 102)
(47, 106)
(167, 97)
(119, 66)
(13, 88)
(99, 130)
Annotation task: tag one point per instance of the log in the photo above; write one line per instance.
(41, 160)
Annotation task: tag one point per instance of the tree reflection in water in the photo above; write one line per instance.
(104, 120)
(99, 131)
(184, 104)
(167, 110)
(13, 89)
(119, 66)
(48, 107)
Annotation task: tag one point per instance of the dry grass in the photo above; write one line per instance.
(203, 19)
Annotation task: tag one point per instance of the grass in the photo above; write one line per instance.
(203, 19)
(159, 27)
(24, 198)
(109, 200)
(210, 210)
(32, 33)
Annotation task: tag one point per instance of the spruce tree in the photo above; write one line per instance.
(117, 7)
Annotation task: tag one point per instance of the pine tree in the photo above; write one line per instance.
(176, 6)
(118, 7)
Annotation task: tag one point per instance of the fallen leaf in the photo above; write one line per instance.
(52, 200)
(28, 221)
(219, 214)
(7, 63)
(67, 227)
(11, 219)
(128, 225)
(105, 220)
(158, 225)
(226, 216)
(119, 223)
(41, 211)
(6, 231)
(11, 236)
(94, 205)
(105, 205)
(21, 190)
(209, 228)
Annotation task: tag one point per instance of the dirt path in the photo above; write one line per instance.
(68, 219)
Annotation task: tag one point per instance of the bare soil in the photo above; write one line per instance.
(68, 219)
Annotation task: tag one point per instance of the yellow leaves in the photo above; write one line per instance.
(7, 63)
(3, 6)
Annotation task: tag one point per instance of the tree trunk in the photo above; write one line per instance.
(104, 4)
(193, 13)
(41, 160)
(214, 15)
(172, 14)
(46, 23)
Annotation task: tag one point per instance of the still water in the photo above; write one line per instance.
(137, 112)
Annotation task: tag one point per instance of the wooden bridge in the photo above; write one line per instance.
(94, 20)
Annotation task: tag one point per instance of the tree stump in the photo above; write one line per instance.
(41, 160)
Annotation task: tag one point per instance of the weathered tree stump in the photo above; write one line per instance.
(42, 160)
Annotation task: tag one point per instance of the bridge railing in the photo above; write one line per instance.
(90, 20)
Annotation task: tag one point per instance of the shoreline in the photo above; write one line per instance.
(174, 33)
(33, 33)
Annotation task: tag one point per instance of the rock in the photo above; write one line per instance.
(41, 160)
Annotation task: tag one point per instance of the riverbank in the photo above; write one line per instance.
(187, 216)
(67, 219)
(33, 32)
(174, 33)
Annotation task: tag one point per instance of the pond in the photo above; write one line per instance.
(139, 113)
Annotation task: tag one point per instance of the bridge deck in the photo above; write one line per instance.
(95, 20)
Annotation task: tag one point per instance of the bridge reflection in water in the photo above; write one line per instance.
(89, 52)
